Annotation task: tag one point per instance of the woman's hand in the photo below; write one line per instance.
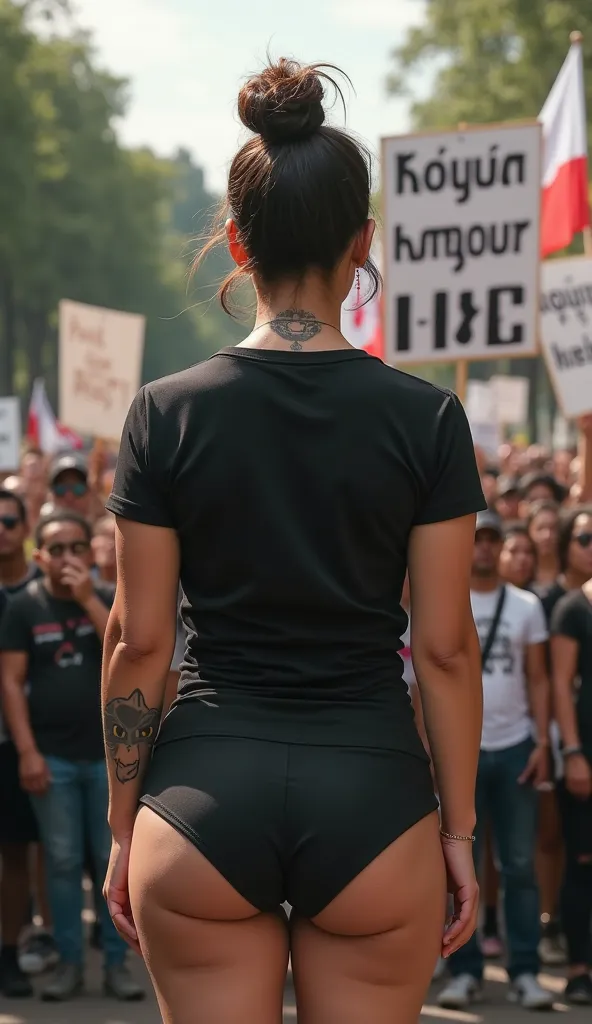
(116, 893)
(462, 883)
(578, 776)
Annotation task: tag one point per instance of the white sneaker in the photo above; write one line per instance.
(526, 991)
(460, 992)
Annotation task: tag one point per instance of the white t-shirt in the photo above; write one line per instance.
(506, 713)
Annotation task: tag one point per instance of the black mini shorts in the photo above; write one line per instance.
(287, 822)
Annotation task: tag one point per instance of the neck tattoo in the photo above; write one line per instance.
(296, 325)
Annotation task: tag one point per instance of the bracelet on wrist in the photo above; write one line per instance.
(572, 751)
(451, 835)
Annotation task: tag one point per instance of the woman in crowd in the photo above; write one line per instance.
(291, 482)
(572, 670)
(518, 560)
(543, 528)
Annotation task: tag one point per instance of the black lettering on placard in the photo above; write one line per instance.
(440, 319)
(562, 300)
(574, 357)
(459, 174)
(402, 329)
(456, 243)
(469, 311)
(494, 316)
(464, 312)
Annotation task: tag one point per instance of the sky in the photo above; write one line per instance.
(186, 60)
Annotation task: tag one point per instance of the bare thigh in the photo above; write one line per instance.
(211, 955)
(370, 955)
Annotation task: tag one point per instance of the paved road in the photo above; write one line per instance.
(93, 1009)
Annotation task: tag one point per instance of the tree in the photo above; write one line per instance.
(491, 62)
(83, 218)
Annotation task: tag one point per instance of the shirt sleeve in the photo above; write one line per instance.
(137, 493)
(566, 619)
(536, 627)
(455, 486)
(15, 629)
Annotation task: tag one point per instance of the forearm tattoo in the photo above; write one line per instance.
(130, 726)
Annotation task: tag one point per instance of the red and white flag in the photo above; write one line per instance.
(362, 325)
(565, 199)
(43, 429)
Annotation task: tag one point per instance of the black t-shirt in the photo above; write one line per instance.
(551, 599)
(293, 481)
(573, 618)
(64, 671)
(7, 591)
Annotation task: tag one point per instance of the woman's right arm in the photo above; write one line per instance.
(447, 660)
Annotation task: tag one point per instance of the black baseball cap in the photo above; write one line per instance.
(489, 520)
(70, 463)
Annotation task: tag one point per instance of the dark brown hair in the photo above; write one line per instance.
(299, 192)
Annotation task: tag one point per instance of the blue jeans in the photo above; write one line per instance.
(512, 811)
(75, 803)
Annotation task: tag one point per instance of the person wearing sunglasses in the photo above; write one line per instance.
(51, 638)
(68, 482)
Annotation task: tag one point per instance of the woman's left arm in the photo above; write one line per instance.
(138, 647)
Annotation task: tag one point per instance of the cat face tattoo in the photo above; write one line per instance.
(130, 725)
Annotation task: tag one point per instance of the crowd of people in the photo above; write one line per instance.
(531, 596)
(57, 582)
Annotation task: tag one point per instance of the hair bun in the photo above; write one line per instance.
(284, 103)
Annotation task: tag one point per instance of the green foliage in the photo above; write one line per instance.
(490, 62)
(495, 61)
(83, 218)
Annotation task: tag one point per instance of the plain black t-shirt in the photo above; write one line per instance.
(64, 672)
(551, 599)
(573, 618)
(293, 481)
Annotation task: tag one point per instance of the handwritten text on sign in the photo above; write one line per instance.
(462, 244)
(100, 363)
(566, 331)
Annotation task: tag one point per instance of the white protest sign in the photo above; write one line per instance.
(510, 399)
(566, 331)
(100, 365)
(480, 404)
(479, 407)
(10, 434)
(461, 235)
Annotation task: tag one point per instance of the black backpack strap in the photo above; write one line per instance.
(490, 639)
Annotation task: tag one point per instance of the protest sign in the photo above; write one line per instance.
(10, 434)
(510, 399)
(461, 237)
(100, 365)
(566, 331)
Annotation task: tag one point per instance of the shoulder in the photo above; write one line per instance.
(523, 600)
(572, 602)
(414, 388)
(166, 392)
(32, 594)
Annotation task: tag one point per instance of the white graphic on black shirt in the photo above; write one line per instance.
(66, 656)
